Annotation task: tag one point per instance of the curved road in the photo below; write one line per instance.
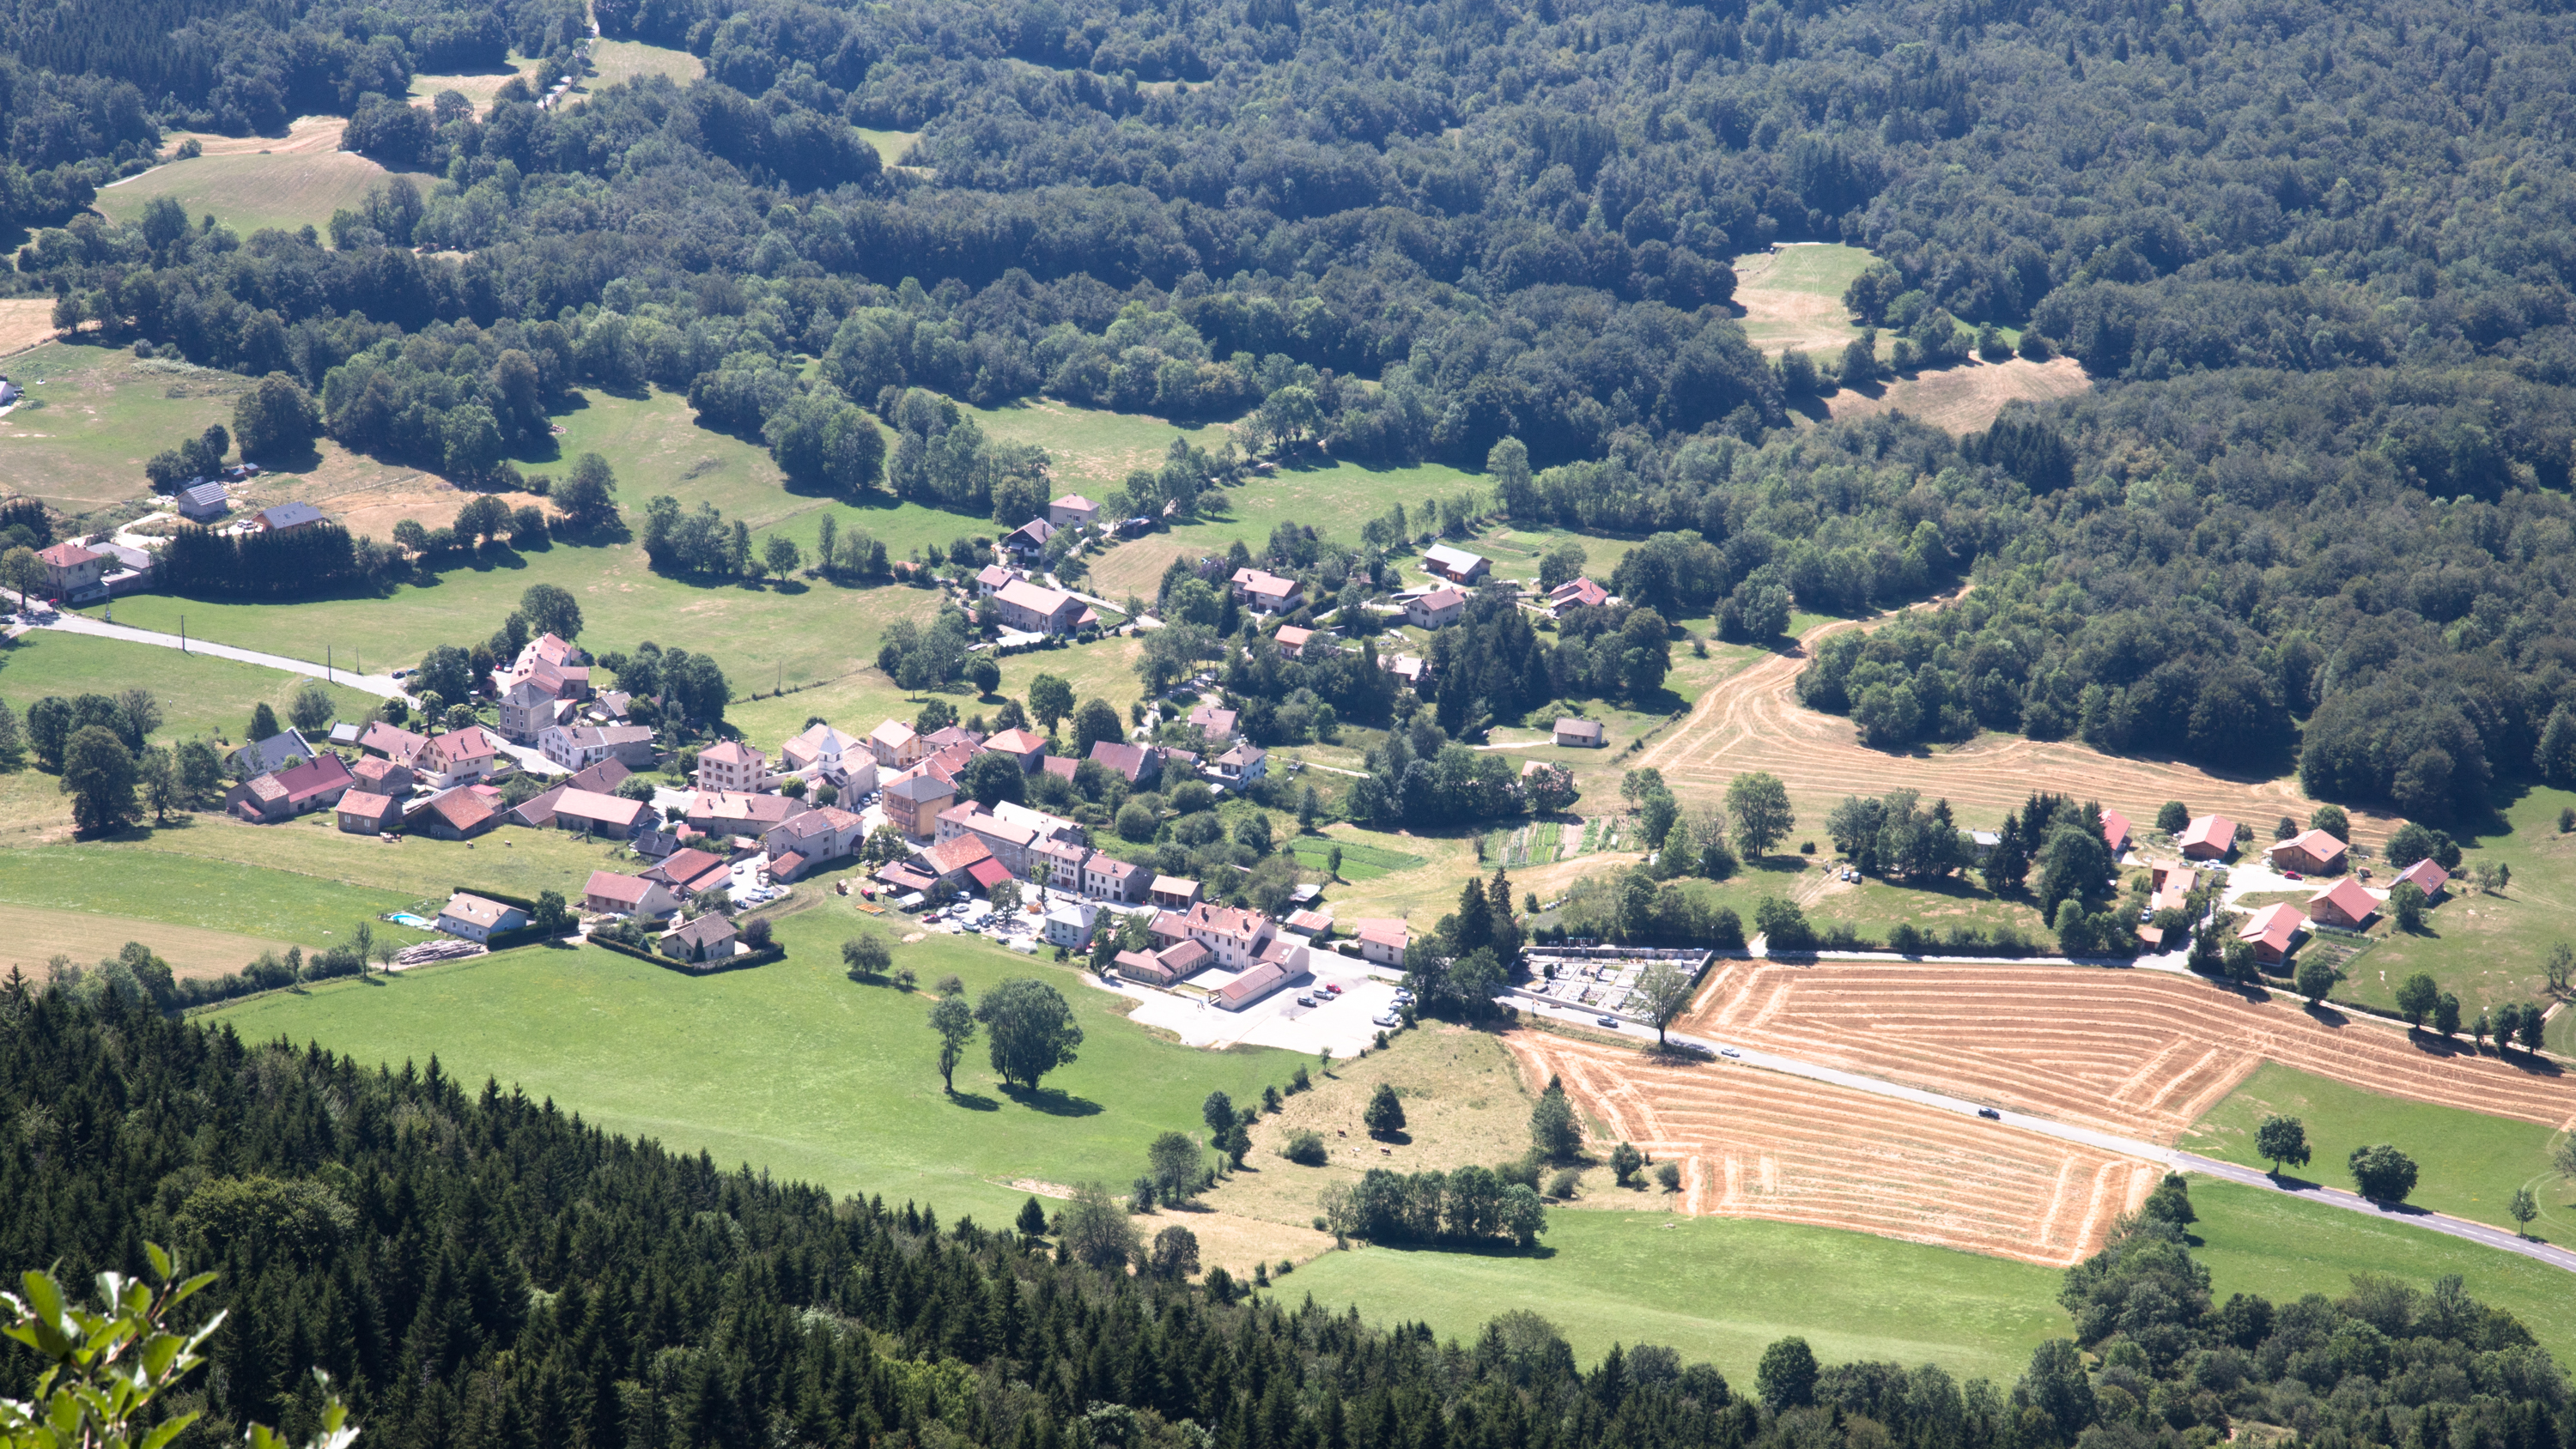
(2479, 1233)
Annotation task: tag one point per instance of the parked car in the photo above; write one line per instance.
(1332, 988)
(1387, 1018)
(1305, 999)
(2292, 875)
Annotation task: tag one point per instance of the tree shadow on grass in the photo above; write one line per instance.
(1488, 1248)
(1053, 1101)
(974, 1101)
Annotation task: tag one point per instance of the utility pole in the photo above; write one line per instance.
(183, 633)
(326, 663)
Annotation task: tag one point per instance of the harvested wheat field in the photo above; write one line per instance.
(1753, 721)
(2140, 1053)
(25, 322)
(1758, 1144)
(1965, 399)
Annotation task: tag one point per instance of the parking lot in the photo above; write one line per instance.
(1343, 1024)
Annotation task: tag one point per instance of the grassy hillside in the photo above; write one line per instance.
(791, 1067)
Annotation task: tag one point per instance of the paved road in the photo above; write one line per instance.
(2480, 1233)
(379, 685)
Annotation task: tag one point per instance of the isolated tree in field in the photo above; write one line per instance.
(2280, 1140)
(1176, 1165)
(1217, 1112)
(2446, 1015)
(2332, 820)
(2173, 817)
(2562, 1157)
(2524, 1208)
(1385, 1114)
(1666, 988)
(2559, 967)
(2382, 1173)
(1625, 1160)
(1786, 1377)
(2534, 1027)
(552, 915)
(1029, 1030)
(1096, 1232)
(263, 721)
(99, 775)
(1757, 806)
(1095, 722)
(2315, 980)
(1554, 1134)
(1175, 1254)
(1032, 1220)
(780, 555)
(867, 957)
(588, 495)
(2416, 996)
(953, 1021)
(1050, 699)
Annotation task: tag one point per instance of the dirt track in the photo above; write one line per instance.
(1761, 1145)
(1753, 721)
(2140, 1053)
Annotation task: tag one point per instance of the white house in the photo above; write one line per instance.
(1069, 923)
(476, 919)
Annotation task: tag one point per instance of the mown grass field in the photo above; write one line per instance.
(2469, 1163)
(1792, 297)
(199, 892)
(94, 414)
(1715, 1289)
(1335, 498)
(856, 702)
(612, 61)
(2486, 949)
(34, 936)
(890, 145)
(251, 191)
(2282, 1247)
(201, 697)
(791, 1067)
(479, 87)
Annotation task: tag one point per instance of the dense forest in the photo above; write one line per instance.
(2315, 259)
(475, 1269)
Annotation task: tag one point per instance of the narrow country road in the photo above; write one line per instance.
(2478, 1233)
(380, 685)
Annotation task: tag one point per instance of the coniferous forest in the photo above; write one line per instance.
(474, 1269)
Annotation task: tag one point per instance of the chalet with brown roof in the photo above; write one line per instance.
(724, 813)
(316, 784)
(391, 742)
(1264, 592)
(951, 860)
(1029, 540)
(1435, 610)
(1456, 565)
(458, 814)
(1134, 764)
(1215, 721)
(383, 777)
(2272, 930)
(611, 894)
(2425, 875)
(1407, 669)
(2207, 837)
(1576, 594)
(362, 813)
(993, 578)
(1313, 925)
(1173, 893)
(1292, 641)
(1072, 511)
(2115, 832)
(1034, 609)
(1169, 966)
(612, 816)
(710, 937)
(1024, 748)
(2346, 903)
(690, 870)
(2310, 852)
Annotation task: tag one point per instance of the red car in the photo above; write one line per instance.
(2292, 875)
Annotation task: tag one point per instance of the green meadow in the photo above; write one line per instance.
(2469, 1163)
(792, 1067)
(2486, 948)
(201, 697)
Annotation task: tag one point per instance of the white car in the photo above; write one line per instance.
(1387, 1018)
